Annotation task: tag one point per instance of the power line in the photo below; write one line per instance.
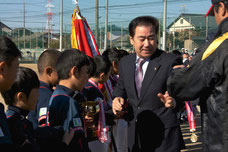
(117, 16)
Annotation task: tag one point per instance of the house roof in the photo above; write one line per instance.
(116, 29)
(2, 25)
(197, 20)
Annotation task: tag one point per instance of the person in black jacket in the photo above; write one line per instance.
(22, 98)
(207, 78)
(9, 62)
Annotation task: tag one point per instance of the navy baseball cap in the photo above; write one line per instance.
(211, 10)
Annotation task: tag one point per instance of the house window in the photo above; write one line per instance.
(181, 21)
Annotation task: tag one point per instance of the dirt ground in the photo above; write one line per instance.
(32, 66)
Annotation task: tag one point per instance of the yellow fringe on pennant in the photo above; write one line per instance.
(74, 43)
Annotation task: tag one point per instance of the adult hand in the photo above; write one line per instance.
(167, 100)
(178, 66)
(117, 104)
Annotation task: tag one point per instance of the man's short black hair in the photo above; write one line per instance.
(92, 66)
(176, 52)
(70, 58)
(143, 21)
(186, 54)
(47, 58)
(26, 80)
(103, 65)
(112, 54)
(216, 6)
(8, 50)
(123, 53)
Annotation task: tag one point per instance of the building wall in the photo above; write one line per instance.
(190, 45)
(180, 25)
(7, 30)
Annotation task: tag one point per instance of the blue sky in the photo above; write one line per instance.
(120, 11)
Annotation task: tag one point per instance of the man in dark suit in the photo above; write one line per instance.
(152, 127)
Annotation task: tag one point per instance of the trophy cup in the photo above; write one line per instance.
(89, 110)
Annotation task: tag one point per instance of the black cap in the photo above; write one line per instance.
(211, 11)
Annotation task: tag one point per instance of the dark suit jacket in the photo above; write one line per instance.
(152, 127)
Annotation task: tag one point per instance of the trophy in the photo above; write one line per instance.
(89, 110)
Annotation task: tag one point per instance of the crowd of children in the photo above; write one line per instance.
(45, 113)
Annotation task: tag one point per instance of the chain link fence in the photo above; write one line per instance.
(33, 41)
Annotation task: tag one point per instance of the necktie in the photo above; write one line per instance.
(139, 75)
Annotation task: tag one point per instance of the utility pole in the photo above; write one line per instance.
(49, 20)
(24, 22)
(106, 25)
(36, 49)
(174, 37)
(30, 40)
(190, 21)
(48, 39)
(164, 26)
(61, 26)
(100, 37)
(18, 38)
(159, 33)
(65, 36)
(207, 26)
(43, 38)
(121, 43)
(36, 41)
(97, 22)
(110, 35)
(183, 10)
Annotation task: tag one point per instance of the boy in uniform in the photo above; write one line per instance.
(22, 98)
(93, 93)
(9, 55)
(119, 130)
(114, 55)
(74, 69)
(48, 77)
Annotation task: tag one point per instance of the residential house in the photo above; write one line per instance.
(193, 22)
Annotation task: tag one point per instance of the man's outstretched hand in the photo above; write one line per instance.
(167, 100)
(117, 104)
